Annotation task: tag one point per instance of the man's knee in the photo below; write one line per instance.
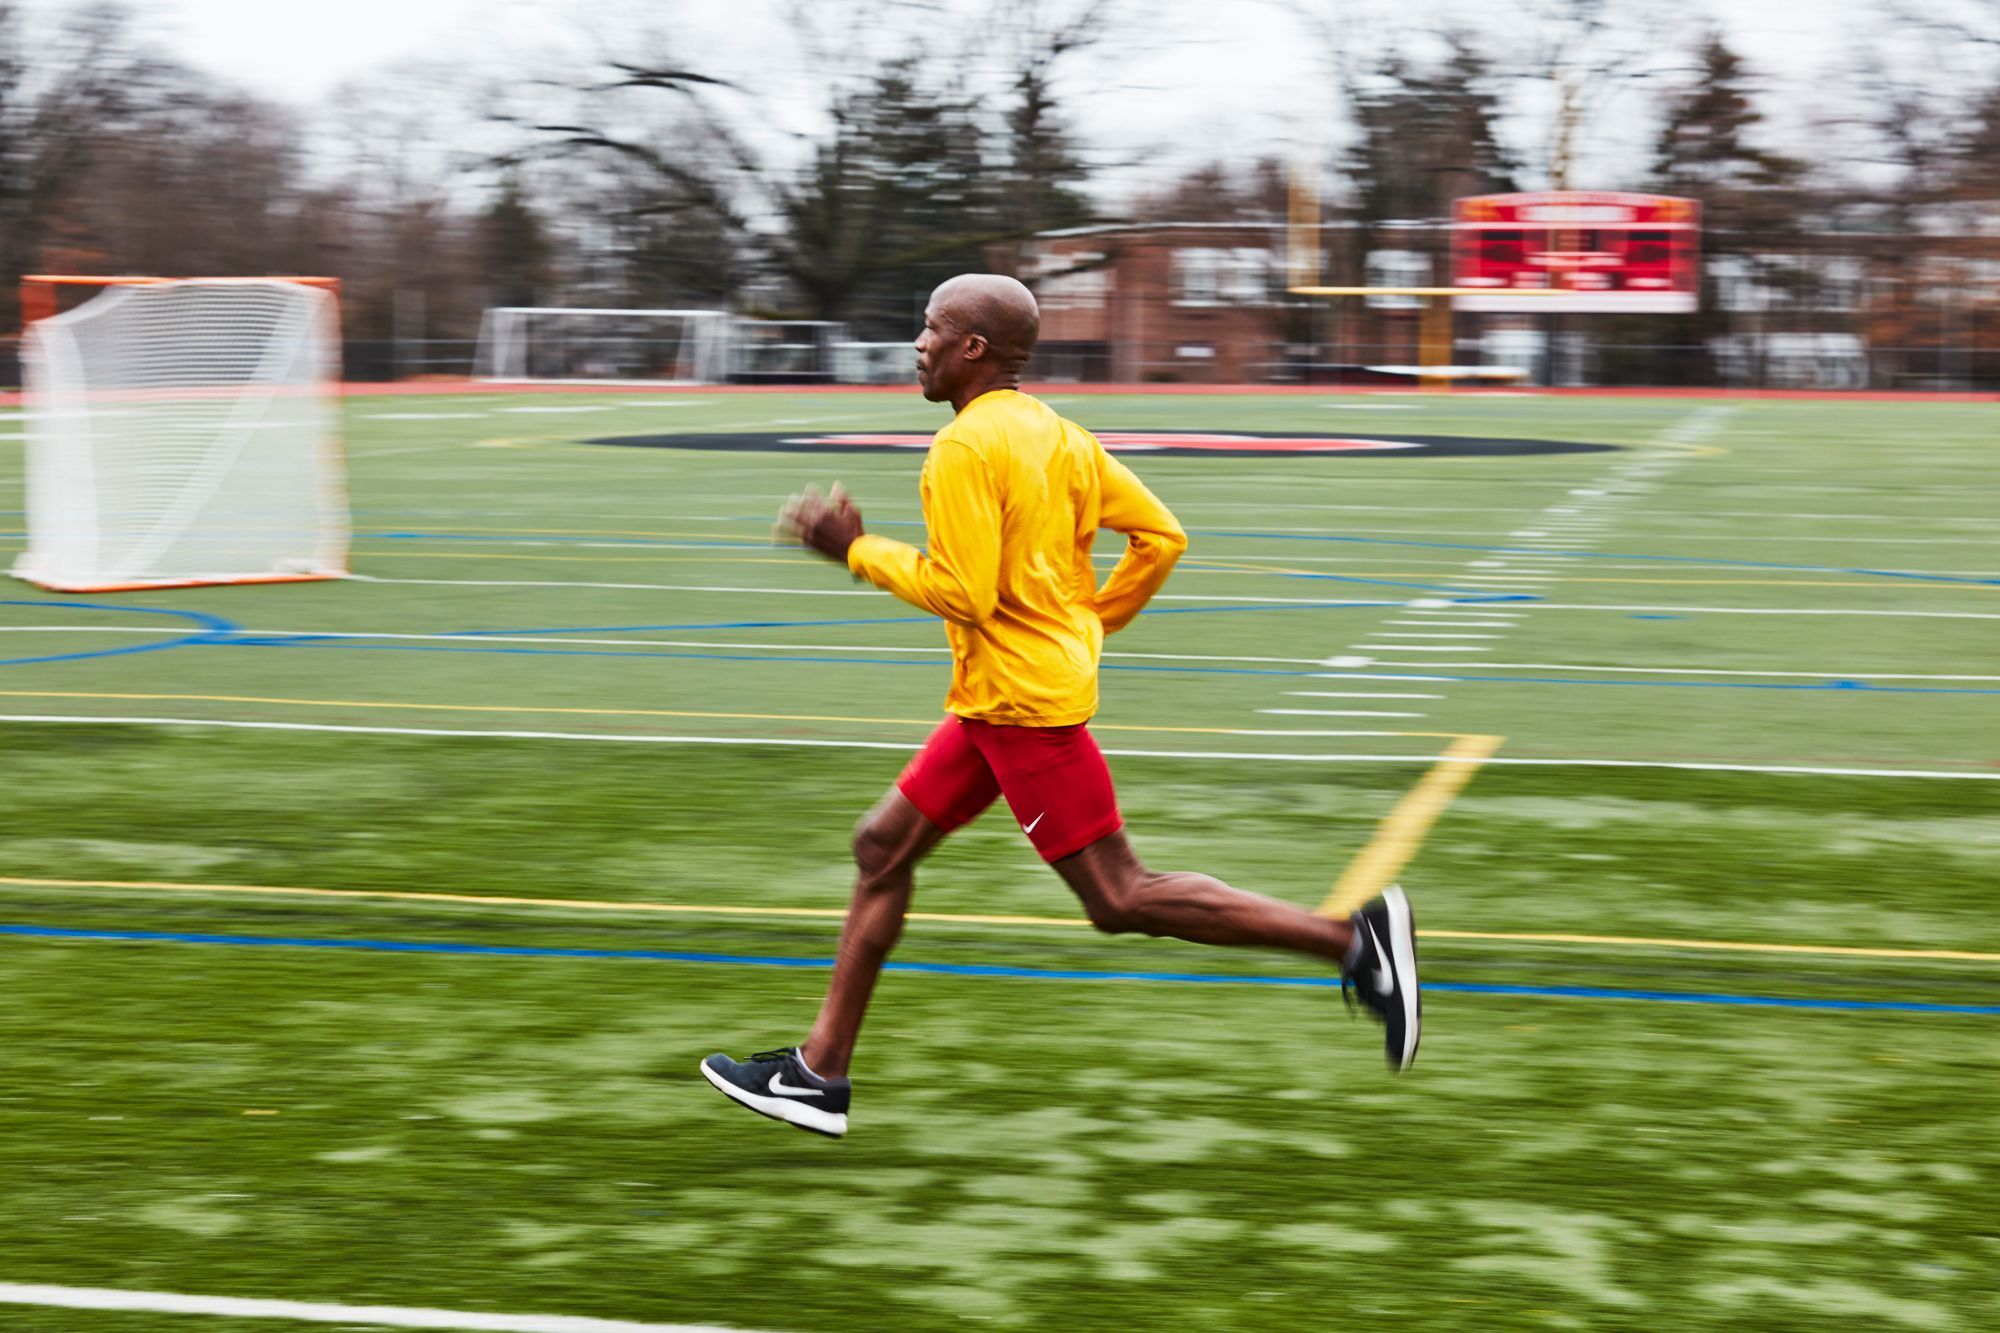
(1113, 916)
(883, 848)
(1124, 910)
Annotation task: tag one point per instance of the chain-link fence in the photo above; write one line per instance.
(1802, 362)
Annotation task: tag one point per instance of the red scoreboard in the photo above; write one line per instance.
(1607, 252)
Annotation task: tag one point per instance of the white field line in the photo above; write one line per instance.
(423, 416)
(1406, 608)
(1770, 611)
(1662, 453)
(1334, 712)
(1358, 694)
(1685, 671)
(384, 1316)
(474, 639)
(1455, 621)
(908, 745)
(1530, 511)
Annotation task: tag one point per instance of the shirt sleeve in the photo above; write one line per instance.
(959, 577)
(1154, 540)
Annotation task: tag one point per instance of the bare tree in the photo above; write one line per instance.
(63, 94)
(1585, 55)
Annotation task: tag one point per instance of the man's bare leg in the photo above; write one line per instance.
(1120, 895)
(887, 847)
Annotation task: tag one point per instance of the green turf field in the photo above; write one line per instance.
(1744, 676)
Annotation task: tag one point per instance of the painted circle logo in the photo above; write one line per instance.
(1168, 442)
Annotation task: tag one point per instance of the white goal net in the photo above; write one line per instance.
(538, 344)
(185, 432)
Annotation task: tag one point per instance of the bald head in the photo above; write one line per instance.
(995, 307)
(979, 330)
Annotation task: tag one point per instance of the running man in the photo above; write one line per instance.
(1013, 495)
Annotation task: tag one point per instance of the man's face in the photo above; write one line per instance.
(941, 364)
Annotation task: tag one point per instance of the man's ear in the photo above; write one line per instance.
(976, 346)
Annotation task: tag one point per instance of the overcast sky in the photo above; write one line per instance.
(1208, 80)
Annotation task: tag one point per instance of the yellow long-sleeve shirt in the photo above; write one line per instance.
(1013, 495)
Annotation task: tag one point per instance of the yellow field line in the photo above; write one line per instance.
(1728, 946)
(953, 918)
(599, 712)
(508, 900)
(761, 539)
(1399, 835)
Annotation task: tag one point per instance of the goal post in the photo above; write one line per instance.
(578, 344)
(1434, 371)
(183, 431)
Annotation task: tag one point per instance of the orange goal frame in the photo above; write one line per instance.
(38, 290)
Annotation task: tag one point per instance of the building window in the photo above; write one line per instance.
(1215, 275)
(1398, 268)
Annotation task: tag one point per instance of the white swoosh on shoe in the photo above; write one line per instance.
(784, 1089)
(1385, 979)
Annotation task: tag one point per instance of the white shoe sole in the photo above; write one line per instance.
(829, 1123)
(1403, 955)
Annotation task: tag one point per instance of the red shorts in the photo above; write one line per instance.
(1054, 779)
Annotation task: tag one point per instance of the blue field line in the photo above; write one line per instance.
(213, 629)
(217, 632)
(1596, 555)
(977, 969)
(251, 638)
(1271, 536)
(572, 539)
(350, 645)
(911, 620)
(1343, 578)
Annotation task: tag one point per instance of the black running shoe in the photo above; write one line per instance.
(778, 1084)
(1385, 975)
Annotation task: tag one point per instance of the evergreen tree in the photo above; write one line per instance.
(1427, 136)
(895, 199)
(1705, 146)
(1042, 175)
(1751, 197)
(1976, 157)
(514, 247)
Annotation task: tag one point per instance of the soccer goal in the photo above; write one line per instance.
(183, 431)
(546, 344)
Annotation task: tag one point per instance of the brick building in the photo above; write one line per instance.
(1161, 302)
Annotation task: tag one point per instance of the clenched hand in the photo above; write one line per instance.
(824, 523)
